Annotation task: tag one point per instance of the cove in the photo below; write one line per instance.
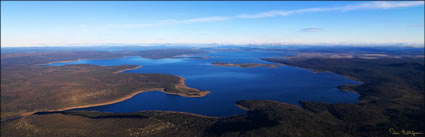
(227, 84)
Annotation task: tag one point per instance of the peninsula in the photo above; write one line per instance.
(28, 87)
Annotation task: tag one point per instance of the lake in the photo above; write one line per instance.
(227, 84)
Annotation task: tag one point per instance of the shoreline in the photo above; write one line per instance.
(66, 61)
(202, 94)
(292, 106)
(180, 85)
(242, 107)
(179, 112)
(348, 89)
(340, 87)
(80, 60)
(95, 105)
(119, 71)
(315, 71)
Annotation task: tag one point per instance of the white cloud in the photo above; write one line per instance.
(311, 29)
(95, 34)
(281, 13)
(274, 13)
(383, 5)
(361, 6)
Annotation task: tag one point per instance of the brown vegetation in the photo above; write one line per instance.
(391, 97)
(27, 88)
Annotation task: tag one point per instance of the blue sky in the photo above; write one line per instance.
(238, 22)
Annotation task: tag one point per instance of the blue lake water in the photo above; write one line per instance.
(227, 84)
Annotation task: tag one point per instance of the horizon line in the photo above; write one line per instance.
(356, 44)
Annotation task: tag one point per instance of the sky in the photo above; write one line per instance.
(59, 23)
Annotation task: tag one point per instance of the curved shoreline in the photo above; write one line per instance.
(66, 61)
(119, 71)
(180, 85)
(340, 87)
(95, 105)
(202, 94)
(314, 71)
(187, 113)
(79, 60)
(242, 107)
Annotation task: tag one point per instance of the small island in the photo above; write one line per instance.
(243, 65)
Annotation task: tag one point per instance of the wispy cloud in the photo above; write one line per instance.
(275, 13)
(361, 6)
(281, 13)
(96, 33)
(383, 5)
(311, 29)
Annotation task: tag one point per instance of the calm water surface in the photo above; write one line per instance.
(227, 84)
